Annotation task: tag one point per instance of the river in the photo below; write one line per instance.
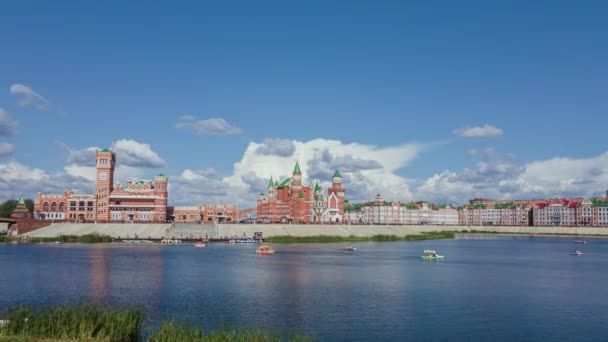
(487, 288)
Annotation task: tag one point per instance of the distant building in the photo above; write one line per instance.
(290, 201)
(204, 213)
(139, 201)
(383, 212)
(495, 213)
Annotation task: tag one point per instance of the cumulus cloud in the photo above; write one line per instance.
(365, 169)
(8, 126)
(501, 177)
(277, 147)
(212, 126)
(27, 97)
(17, 179)
(486, 131)
(136, 154)
(6, 149)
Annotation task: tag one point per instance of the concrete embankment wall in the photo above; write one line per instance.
(124, 231)
(158, 231)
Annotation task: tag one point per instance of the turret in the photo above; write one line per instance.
(297, 177)
(161, 182)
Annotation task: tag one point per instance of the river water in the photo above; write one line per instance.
(487, 288)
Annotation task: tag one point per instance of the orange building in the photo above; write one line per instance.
(141, 201)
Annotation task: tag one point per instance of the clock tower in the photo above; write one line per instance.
(104, 183)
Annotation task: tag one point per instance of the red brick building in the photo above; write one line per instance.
(290, 201)
(139, 201)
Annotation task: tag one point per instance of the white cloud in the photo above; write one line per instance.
(365, 169)
(136, 154)
(472, 152)
(6, 149)
(212, 126)
(277, 147)
(28, 97)
(499, 176)
(486, 131)
(8, 126)
(86, 172)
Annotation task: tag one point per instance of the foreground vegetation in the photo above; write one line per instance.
(352, 238)
(90, 323)
(7, 238)
(88, 238)
(72, 323)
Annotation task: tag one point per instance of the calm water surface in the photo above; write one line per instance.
(500, 288)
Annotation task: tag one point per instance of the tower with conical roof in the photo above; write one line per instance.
(21, 210)
(296, 181)
(335, 199)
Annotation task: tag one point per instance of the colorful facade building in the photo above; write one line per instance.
(139, 201)
(382, 212)
(290, 201)
(495, 213)
(204, 213)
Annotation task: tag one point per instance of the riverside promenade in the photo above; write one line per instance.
(159, 231)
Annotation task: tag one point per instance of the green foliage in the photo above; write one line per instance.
(91, 323)
(352, 238)
(7, 238)
(176, 332)
(73, 323)
(88, 238)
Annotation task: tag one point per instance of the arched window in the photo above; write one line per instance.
(61, 206)
(45, 206)
(54, 206)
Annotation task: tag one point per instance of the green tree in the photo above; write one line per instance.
(7, 208)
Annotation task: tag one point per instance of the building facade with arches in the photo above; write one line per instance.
(140, 201)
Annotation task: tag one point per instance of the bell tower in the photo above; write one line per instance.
(105, 160)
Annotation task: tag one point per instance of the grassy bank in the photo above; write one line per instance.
(90, 323)
(6, 238)
(351, 238)
(493, 232)
(88, 238)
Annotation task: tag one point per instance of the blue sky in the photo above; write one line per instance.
(379, 74)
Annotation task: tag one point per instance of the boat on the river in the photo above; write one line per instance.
(580, 241)
(351, 248)
(577, 253)
(431, 255)
(265, 249)
(200, 244)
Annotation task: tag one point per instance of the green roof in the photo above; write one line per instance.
(317, 187)
(270, 183)
(296, 169)
(161, 175)
(337, 173)
(276, 183)
(479, 206)
(105, 150)
(262, 194)
(346, 201)
(411, 206)
(504, 205)
(378, 195)
(284, 183)
(597, 203)
(301, 195)
(21, 201)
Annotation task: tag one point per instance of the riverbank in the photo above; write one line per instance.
(91, 323)
(352, 238)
